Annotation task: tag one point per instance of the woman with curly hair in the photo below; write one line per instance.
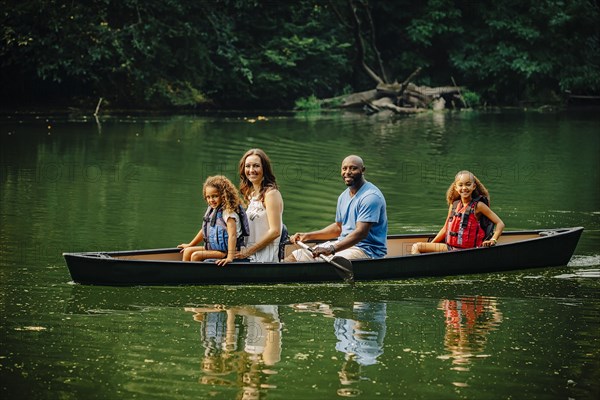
(221, 227)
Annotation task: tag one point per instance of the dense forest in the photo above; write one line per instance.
(241, 54)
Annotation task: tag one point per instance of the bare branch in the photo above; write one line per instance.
(339, 15)
(373, 42)
(361, 46)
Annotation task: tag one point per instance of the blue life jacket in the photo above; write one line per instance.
(214, 229)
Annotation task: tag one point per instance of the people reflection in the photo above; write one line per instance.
(360, 331)
(468, 322)
(361, 337)
(240, 344)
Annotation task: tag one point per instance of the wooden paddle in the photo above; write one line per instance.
(343, 266)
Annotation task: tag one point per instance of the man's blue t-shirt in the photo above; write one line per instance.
(367, 205)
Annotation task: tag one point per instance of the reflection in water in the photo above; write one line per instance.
(469, 320)
(240, 344)
(360, 331)
(361, 337)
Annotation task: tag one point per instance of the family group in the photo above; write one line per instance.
(250, 227)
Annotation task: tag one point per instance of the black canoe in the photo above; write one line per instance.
(515, 250)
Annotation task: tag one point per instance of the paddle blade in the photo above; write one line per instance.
(344, 268)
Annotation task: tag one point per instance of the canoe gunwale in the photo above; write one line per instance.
(115, 255)
(115, 268)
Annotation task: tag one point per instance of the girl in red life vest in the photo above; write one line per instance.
(468, 208)
(222, 225)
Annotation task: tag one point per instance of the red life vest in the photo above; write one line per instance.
(463, 230)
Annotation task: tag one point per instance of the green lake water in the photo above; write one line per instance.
(132, 182)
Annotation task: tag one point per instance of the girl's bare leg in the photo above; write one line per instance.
(424, 247)
(202, 254)
(188, 251)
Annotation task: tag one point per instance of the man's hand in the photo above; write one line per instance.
(326, 250)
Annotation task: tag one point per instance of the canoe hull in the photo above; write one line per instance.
(547, 248)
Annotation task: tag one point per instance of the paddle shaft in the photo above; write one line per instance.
(326, 259)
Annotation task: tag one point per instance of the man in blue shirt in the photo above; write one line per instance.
(360, 227)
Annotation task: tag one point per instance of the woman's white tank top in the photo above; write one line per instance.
(259, 226)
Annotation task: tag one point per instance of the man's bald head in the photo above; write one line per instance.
(356, 160)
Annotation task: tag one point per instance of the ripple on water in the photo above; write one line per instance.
(585, 261)
(582, 273)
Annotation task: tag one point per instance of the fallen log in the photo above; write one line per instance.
(404, 97)
(353, 100)
(435, 91)
(386, 103)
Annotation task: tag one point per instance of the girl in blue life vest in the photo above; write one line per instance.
(470, 220)
(222, 226)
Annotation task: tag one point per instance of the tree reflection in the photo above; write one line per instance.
(468, 322)
(240, 343)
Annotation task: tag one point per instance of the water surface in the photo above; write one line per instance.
(70, 183)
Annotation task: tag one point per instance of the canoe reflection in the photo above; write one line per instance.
(468, 323)
(240, 344)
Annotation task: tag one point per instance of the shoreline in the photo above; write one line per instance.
(90, 112)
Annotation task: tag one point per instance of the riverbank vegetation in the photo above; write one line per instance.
(242, 54)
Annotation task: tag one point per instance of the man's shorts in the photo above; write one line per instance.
(351, 253)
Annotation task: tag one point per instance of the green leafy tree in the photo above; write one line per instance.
(129, 51)
(267, 54)
(512, 49)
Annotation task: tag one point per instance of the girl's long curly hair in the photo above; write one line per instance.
(269, 181)
(230, 199)
(480, 190)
